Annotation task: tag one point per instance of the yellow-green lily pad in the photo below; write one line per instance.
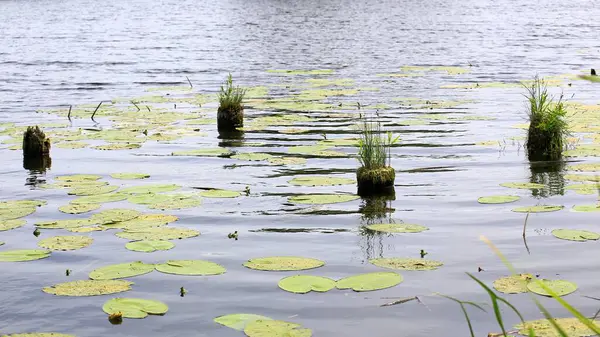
(78, 208)
(575, 234)
(273, 328)
(370, 281)
(283, 263)
(498, 199)
(406, 263)
(22, 203)
(95, 190)
(121, 270)
(538, 209)
(176, 204)
(22, 255)
(544, 328)
(64, 224)
(559, 287)
(397, 228)
(11, 224)
(100, 199)
(302, 284)
(213, 152)
(114, 215)
(79, 177)
(523, 185)
(238, 321)
(143, 221)
(587, 208)
(320, 181)
(71, 145)
(117, 146)
(134, 307)
(287, 160)
(158, 233)
(130, 176)
(15, 213)
(215, 193)
(252, 156)
(88, 288)
(321, 199)
(190, 267)
(156, 188)
(587, 167)
(68, 242)
(147, 246)
(514, 284)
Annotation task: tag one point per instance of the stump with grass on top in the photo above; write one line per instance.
(230, 114)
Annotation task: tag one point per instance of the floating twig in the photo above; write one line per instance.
(147, 107)
(400, 301)
(190, 82)
(137, 107)
(69, 114)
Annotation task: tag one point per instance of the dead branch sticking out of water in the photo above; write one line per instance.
(96, 110)
(147, 107)
(136, 106)
(524, 236)
(69, 114)
(190, 82)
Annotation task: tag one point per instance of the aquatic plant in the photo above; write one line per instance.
(547, 127)
(230, 114)
(375, 176)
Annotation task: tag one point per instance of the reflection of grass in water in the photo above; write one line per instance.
(550, 174)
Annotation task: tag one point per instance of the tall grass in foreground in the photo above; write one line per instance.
(548, 128)
(230, 97)
(496, 301)
(374, 146)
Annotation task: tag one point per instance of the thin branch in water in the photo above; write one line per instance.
(69, 114)
(400, 301)
(136, 106)
(190, 82)
(524, 237)
(147, 107)
(98, 107)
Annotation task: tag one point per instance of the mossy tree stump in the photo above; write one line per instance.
(230, 118)
(35, 143)
(375, 181)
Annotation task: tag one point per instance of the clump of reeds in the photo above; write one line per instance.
(375, 175)
(548, 127)
(230, 114)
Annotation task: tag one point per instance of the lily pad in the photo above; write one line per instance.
(22, 255)
(158, 233)
(86, 229)
(397, 228)
(220, 194)
(144, 221)
(100, 199)
(39, 334)
(273, 328)
(498, 199)
(238, 321)
(11, 224)
(513, 284)
(79, 177)
(134, 307)
(15, 213)
(523, 185)
(117, 146)
(114, 215)
(190, 267)
(149, 246)
(544, 328)
(588, 167)
(252, 156)
(64, 224)
(575, 234)
(559, 287)
(302, 284)
(152, 198)
(370, 281)
(287, 160)
(72, 242)
(214, 152)
(321, 199)
(538, 209)
(587, 208)
(78, 208)
(406, 263)
(320, 181)
(156, 188)
(71, 145)
(283, 263)
(88, 288)
(176, 204)
(130, 176)
(121, 270)
(92, 190)
(22, 203)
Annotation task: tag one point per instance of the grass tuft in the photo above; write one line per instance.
(230, 97)
(374, 147)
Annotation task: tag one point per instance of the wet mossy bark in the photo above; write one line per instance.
(37, 164)
(376, 182)
(230, 118)
(35, 143)
(543, 145)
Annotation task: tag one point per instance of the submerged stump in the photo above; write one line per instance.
(35, 143)
(376, 181)
(230, 118)
(543, 144)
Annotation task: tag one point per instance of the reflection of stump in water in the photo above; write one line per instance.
(549, 173)
(371, 242)
(376, 209)
(233, 138)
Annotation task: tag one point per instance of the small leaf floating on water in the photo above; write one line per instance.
(36, 232)
(423, 253)
(182, 291)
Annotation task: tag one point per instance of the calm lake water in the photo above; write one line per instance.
(59, 53)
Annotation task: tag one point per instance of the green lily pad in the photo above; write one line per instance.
(538, 209)
(588, 167)
(498, 199)
(39, 334)
(406, 263)
(370, 281)
(114, 215)
(149, 246)
(143, 221)
(15, 213)
(88, 288)
(158, 233)
(22, 255)
(177, 204)
(73, 184)
(22, 203)
(513, 284)
(220, 194)
(238, 321)
(78, 208)
(321, 199)
(523, 185)
(130, 176)
(559, 287)
(544, 328)
(190, 267)
(320, 181)
(575, 235)
(72, 242)
(214, 152)
(71, 145)
(121, 270)
(302, 284)
(584, 208)
(273, 328)
(79, 177)
(287, 160)
(252, 156)
(283, 263)
(582, 177)
(64, 224)
(11, 224)
(100, 199)
(397, 228)
(86, 229)
(117, 146)
(134, 307)
(152, 198)
(95, 190)
(156, 188)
